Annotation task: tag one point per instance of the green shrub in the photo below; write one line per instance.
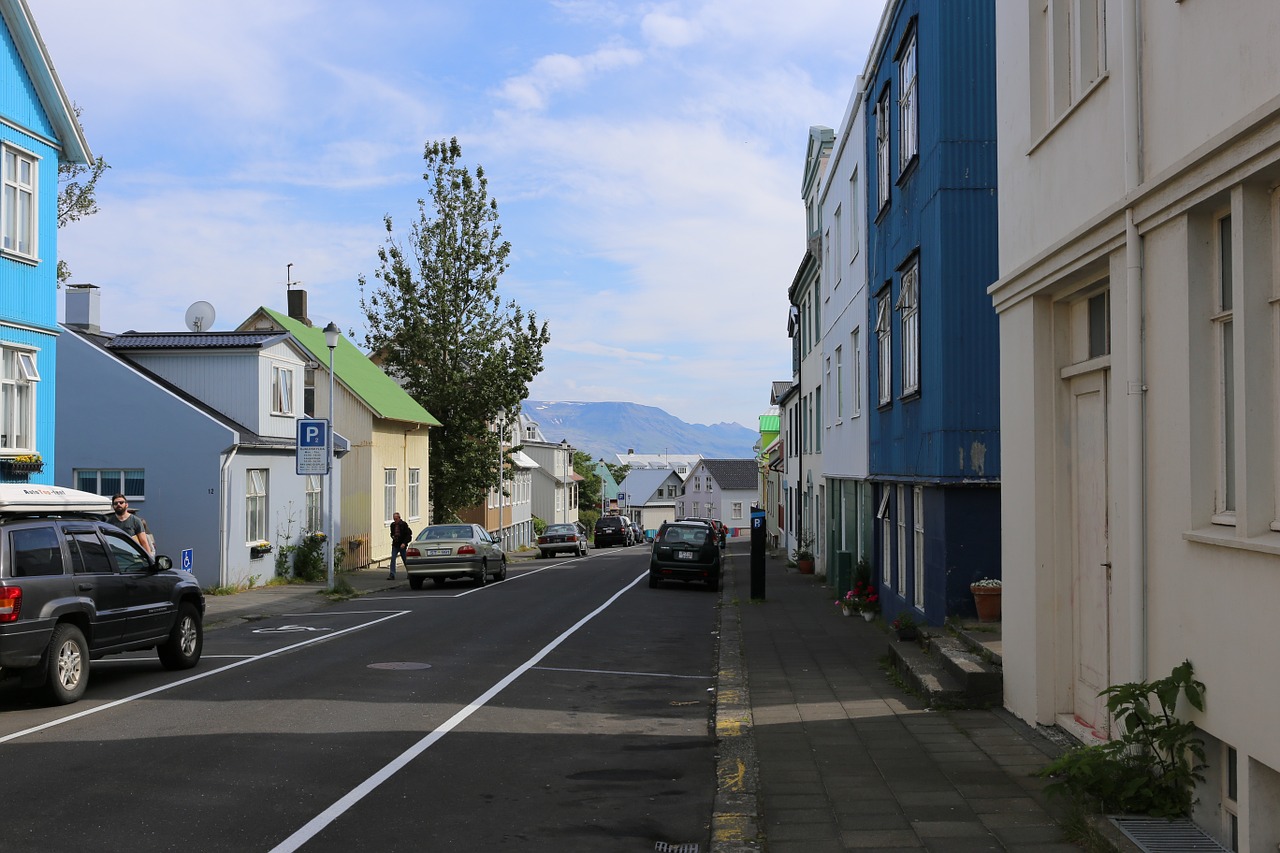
(1153, 766)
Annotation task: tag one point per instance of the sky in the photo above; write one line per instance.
(646, 159)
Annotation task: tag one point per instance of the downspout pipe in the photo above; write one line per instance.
(1135, 344)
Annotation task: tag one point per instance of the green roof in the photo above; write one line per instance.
(361, 376)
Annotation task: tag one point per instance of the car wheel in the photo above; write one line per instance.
(582, 550)
(186, 640)
(502, 571)
(415, 581)
(483, 577)
(67, 664)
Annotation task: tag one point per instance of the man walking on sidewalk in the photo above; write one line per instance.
(401, 535)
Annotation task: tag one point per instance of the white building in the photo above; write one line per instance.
(554, 487)
(1139, 308)
(722, 489)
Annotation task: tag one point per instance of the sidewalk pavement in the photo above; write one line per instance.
(818, 749)
(845, 759)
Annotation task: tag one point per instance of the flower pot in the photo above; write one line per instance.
(987, 601)
(867, 616)
(805, 566)
(847, 611)
(910, 633)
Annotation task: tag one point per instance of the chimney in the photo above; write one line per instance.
(298, 305)
(82, 308)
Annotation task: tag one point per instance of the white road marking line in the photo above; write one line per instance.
(318, 823)
(161, 689)
(620, 672)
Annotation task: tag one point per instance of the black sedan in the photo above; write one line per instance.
(685, 551)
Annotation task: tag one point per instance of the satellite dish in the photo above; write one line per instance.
(200, 316)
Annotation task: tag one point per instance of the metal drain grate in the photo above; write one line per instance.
(664, 847)
(1155, 835)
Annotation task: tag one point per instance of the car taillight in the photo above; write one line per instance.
(542, 540)
(10, 603)
(466, 549)
(412, 552)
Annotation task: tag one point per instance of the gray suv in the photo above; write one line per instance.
(74, 588)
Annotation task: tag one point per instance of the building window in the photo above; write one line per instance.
(882, 150)
(1225, 334)
(884, 340)
(1230, 795)
(1069, 37)
(281, 390)
(900, 573)
(18, 378)
(315, 495)
(415, 482)
(309, 392)
(855, 205)
(818, 422)
(917, 518)
(18, 210)
(837, 269)
(736, 509)
(255, 518)
(855, 374)
(886, 533)
(1099, 313)
(130, 482)
(839, 383)
(388, 493)
(909, 305)
(908, 106)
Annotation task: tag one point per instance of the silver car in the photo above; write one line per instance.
(445, 551)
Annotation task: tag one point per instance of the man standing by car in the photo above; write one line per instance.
(401, 536)
(128, 522)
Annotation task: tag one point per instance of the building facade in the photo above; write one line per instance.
(1139, 315)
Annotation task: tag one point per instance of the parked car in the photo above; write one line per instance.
(446, 551)
(563, 537)
(685, 551)
(74, 588)
(715, 524)
(613, 530)
(638, 532)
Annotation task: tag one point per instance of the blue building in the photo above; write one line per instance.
(38, 130)
(932, 347)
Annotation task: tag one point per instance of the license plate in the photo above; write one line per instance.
(684, 555)
(439, 552)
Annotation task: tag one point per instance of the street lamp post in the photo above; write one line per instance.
(331, 334)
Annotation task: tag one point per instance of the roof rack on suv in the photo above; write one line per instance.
(19, 498)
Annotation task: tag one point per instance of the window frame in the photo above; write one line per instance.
(917, 519)
(257, 496)
(908, 305)
(313, 484)
(908, 104)
(12, 191)
(125, 482)
(282, 390)
(19, 398)
(883, 176)
(884, 347)
(390, 482)
(415, 493)
(1226, 480)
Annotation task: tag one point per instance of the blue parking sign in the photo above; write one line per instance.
(313, 446)
(188, 558)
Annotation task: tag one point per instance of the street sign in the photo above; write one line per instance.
(313, 446)
(188, 559)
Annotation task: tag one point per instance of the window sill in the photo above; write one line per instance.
(19, 257)
(1066, 114)
(908, 169)
(1266, 543)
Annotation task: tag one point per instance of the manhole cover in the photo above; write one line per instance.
(400, 664)
(665, 847)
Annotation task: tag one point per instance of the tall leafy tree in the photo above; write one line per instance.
(435, 317)
(77, 188)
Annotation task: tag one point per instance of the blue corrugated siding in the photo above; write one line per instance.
(46, 393)
(947, 437)
(18, 100)
(945, 210)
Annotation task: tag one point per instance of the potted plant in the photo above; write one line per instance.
(259, 549)
(904, 625)
(986, 598)
(862, 599)
(804, 552)
(24, 463)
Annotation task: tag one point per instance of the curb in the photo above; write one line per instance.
(735, 819)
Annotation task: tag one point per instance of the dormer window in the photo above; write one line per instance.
(281, 390)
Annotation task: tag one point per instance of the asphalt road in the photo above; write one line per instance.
(565, 709)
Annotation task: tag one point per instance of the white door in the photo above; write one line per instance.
(1091, 571)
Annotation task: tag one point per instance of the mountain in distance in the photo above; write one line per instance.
(606, 429)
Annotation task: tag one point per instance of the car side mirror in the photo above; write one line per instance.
(164, 563)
